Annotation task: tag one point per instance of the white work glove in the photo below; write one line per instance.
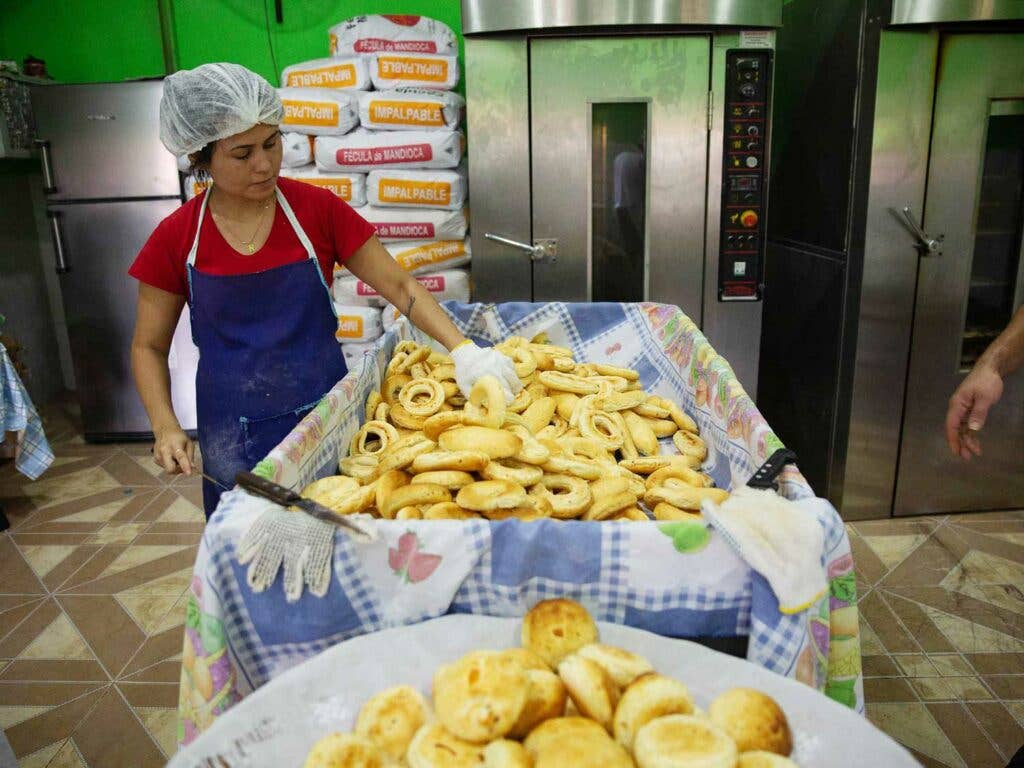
(473, 362)
(303, 546)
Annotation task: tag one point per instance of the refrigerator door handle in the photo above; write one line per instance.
(58, 243)
(44, 150)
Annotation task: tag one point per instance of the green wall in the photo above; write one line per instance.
(84, 41)
(87, 41)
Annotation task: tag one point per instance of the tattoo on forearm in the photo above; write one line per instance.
(408, 310)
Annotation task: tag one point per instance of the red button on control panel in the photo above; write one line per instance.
(749, 219)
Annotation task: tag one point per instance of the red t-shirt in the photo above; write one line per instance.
(333, 227)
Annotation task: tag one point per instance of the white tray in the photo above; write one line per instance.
(276, 725)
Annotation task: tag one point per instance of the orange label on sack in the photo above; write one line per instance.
(412, 68)
(406, 113)
(333, 76)
(341, 187)
(429, 255)
(309, 113)
(415, 192)
(349, 327)
(334, 43)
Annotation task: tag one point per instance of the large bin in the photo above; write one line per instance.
(663, 577)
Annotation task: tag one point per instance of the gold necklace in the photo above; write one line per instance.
(250, 244)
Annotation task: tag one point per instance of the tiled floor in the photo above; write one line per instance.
(942, 632)
(100, 553)
(92, 576)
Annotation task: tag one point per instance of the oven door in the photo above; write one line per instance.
(970, 287)
(619, 146)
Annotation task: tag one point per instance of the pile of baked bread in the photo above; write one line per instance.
(579, 441)
(562, 700)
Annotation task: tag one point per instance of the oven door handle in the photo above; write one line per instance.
(543, 249)
(925, 244)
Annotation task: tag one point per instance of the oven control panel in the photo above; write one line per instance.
(741, 245)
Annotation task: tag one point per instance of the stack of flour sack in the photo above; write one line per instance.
(384, 125)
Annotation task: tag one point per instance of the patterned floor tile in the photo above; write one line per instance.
(42, 758)
(68, 757)
(950, 664)
(60, 640)
(162, 725)
(61, 490)
(912, 725)
(137, 555)
(892, 550)
(133, 744)
(43, 558)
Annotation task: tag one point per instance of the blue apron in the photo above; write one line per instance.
(267, 354)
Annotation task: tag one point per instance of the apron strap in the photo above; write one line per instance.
(292, 219)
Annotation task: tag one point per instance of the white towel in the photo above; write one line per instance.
(780, 539)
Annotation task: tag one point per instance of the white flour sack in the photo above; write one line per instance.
(374, 33)
(444, 285)
(411, 109)
(357, 324)
(364, 150)
(318, 111)
(297, 150)
(422, 256)
(353, 353)
(389, 316)
(350, 187)
(424, 70)
(398, 224)
(350, 72)
(194, 186)
(426, 189)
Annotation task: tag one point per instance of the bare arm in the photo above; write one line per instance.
(156, 318)
(1006, 354)
(970, 404)
(373, 265)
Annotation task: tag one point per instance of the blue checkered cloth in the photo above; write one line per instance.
(17, 414)
(645, 575)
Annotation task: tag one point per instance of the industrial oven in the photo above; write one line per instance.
(619, 152)
(894, 254)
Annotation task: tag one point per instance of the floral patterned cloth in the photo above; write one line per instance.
(676, 579)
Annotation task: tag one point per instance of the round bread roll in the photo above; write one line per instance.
(622, 666)
(496, 443)
(683, 741)
(753, 719)
(488, 495)
(346, 750)
(391, 718)
(528, 659)
(764, 760)
(506, 754)
(561, 729)
(331, 491)
(648, 697)
(435, 747)
(545, 700)
(480, 697)
(555, 628)
(590, 688)
(584, 753)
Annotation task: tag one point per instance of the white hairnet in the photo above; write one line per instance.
(212, 102)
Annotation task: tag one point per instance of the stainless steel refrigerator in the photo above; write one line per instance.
(109, 183)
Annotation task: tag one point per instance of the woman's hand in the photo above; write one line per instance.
(473, 362)
(173, 451)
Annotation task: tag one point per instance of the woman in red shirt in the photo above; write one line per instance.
(253, 258)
